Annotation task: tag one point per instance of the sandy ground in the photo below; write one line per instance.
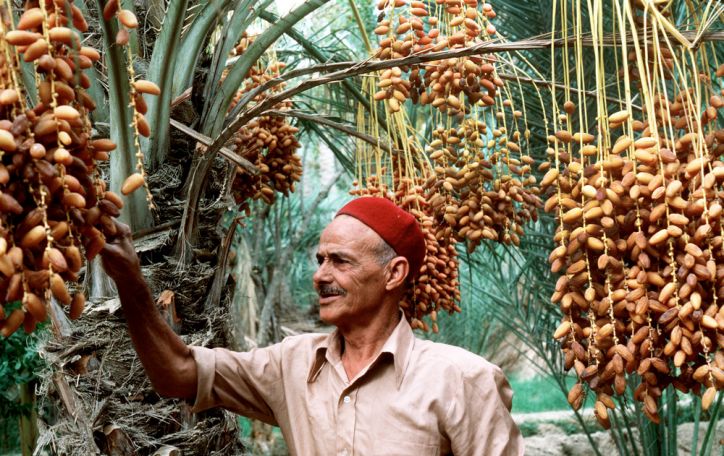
(553, 441)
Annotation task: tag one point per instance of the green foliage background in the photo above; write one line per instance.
(19, 363)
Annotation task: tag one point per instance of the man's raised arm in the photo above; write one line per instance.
(165, 357)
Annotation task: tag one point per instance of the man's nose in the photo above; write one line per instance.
(321, 275)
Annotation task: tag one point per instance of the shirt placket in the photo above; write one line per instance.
(346, 422)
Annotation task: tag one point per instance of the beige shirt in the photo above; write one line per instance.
(416, 398)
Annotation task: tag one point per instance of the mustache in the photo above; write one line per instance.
(331, 290)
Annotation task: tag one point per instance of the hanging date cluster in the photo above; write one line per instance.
(267, 141)
(55, 211)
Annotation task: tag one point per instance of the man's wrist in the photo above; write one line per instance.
(123, 272)
(132, 284)
(133, 278)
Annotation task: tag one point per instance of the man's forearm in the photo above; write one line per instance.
(165, 357)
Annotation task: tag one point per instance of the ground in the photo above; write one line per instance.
(553, 440)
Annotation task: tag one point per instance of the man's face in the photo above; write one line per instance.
(350, 281)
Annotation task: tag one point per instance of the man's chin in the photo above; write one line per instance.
(327, 313)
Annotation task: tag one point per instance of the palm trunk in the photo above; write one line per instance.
(28, 422)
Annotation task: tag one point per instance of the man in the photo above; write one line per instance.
(370, 387)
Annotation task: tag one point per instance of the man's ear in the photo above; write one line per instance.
(397, 270)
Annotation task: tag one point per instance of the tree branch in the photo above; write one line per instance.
(330, 123)
(347, 69)
(317, 54)
(488, 47)
(228, 154)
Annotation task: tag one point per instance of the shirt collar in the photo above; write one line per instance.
(399, 345)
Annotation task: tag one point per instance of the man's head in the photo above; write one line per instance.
(366, 256)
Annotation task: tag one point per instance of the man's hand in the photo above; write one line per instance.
(119, 256)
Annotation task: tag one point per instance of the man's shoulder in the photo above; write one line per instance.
(454, 359)
(305, 341)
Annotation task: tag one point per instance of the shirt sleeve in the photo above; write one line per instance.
(479, 420)
(246, 383)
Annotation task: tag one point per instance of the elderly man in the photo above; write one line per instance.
(370, 387)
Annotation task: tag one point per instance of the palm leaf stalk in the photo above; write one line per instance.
(218, 99)
(161, 71)
(221, 99)
(311, 49)
(136, 212)
(212, 122)
(343, 70)
(192, 42)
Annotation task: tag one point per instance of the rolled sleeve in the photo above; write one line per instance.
(247, 383)
(205, 366)
(479, 420)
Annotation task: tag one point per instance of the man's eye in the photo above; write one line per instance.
(332, 259)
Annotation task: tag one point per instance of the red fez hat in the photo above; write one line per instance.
(396, 226)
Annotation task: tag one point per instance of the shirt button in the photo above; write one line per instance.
(344, 452)
(346, 399)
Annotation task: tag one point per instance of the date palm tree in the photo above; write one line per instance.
(103, 400)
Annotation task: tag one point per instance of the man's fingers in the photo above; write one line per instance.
(86, 242)
(112, 249)
(122, 230)
(118, 248)
(119, 258)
